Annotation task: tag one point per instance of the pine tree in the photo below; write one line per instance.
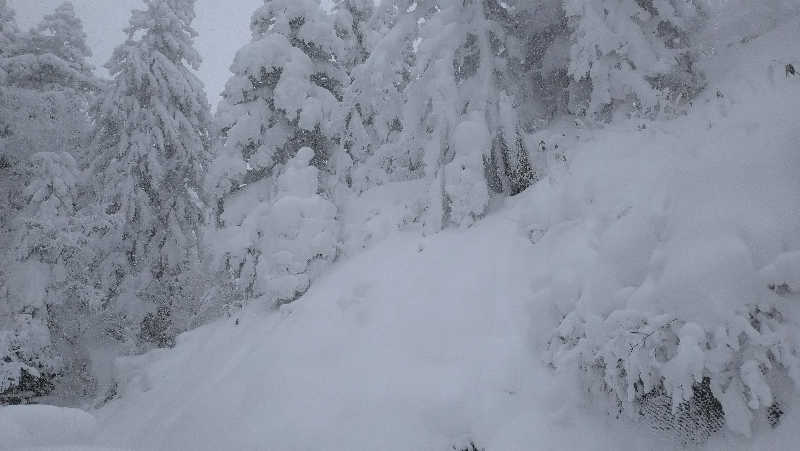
(284, 96)
(150, 151)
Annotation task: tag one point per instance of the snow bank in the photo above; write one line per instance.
(45, 426)
(370, 358)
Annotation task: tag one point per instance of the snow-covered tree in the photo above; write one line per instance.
(39, 260)
(61, 34)
(354, 25)
(150, 152)
(445, 97)
(43, 115)
(294, 237)
(688, 377)
(631, 51)
(47, 86)
(284, 95)
(373, 102)
(8, 28)
(9, 35)
(53, 55)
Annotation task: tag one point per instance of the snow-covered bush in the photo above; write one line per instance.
(286, 242)
(466, 192)
(673, 285)
(28, 361)
(304, 228)
(669, 369)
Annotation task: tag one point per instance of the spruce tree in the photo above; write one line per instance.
(631, 53)
(284, 96)
(8, 29)
(61, 34)
(43, 101)
(150, 151)
(452, 101)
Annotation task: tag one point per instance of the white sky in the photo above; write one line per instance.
(223, 26)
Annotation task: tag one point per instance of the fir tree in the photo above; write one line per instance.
(43, 101)
(632, 52)
(150, 151)
(452, 102)
(284, 96)
(61, 34)
(8, 29)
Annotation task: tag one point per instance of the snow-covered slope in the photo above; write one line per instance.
(425, 343)
(44, 425)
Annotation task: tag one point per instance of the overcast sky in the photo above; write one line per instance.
(223, 26)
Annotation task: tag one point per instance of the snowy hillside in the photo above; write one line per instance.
(410, 225)
(430, 342)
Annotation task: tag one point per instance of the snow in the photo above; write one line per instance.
(426, 342)
(691, 220)
(434, 353)
(415, 358)
(45, 426)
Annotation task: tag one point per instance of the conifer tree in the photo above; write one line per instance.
(9, 38)
(8, 29)
(285, 87)
(53, 56)
(453, 101)
(284, 96)
(61, 34)
(43, 101)
(631, 52)
(150, 151)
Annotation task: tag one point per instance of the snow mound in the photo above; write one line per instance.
(368, 359)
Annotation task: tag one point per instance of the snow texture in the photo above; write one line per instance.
(423, 259)
(426, 342)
